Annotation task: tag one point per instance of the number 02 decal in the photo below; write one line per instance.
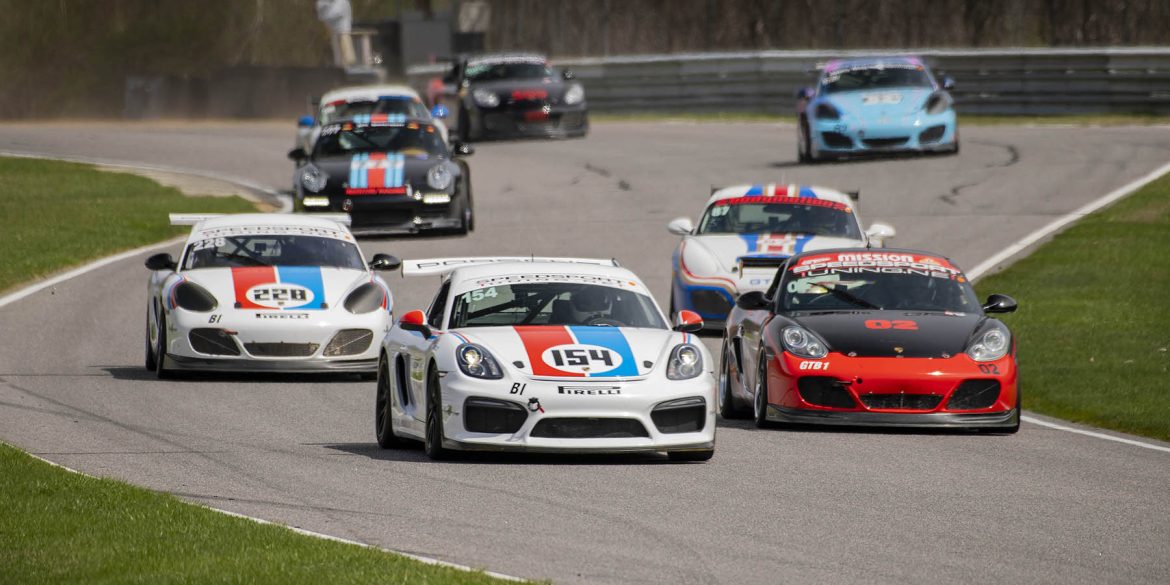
(989, 369)
(883, 324)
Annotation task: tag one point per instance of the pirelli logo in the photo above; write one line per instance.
(589, 390)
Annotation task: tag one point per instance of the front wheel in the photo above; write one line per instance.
(151, 357)
(727, 407)
(433, 445)
(802, 143)
(160, 351)
(760, 403)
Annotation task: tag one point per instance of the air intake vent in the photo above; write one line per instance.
(974, 394)
(588, 428)
(281, 349)
(901, 401)
(824, 391)
(213, 342)
(349, 342)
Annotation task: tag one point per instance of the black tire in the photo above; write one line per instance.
(465, 131)
(760, 400)
(802, 143)
(151, 357)
(433, 445)
(462, 211)
(383, 400)
(160, 351)
(728, 409)
(704, 455)
(670, 316)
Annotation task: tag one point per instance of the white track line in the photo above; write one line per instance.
(1095, 434)
(419, 558)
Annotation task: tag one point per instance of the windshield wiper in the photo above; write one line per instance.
(237, 256)
(847, 296)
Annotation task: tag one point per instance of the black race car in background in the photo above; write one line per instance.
(512, 95)
(391, 173)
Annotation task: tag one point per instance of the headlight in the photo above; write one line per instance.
(991, 345)
(800, 342)
(193, 297)
(827, 112)
(485, 98)
(365, 298)
(574, 95)
(312, 179)
(439, 177)
(685, 362)
(476, 362)
(938, 103)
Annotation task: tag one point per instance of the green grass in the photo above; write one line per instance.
(56, 214)
(964, 119)
(60, 527)
(1094, 318)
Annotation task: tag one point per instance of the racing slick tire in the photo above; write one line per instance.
(151, 357)
(727, 407)
(433, 445)
(160, 351)
(760, 400)
(704, 455)
(466, 130)
(803, 146)
(383, 401)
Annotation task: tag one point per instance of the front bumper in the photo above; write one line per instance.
(388, 214)
(915, 133)
(568, 404)
(534, 121)
(894, 392)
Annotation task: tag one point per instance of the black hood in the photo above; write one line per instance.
(414, 170)
(505, 89)
(883, 333)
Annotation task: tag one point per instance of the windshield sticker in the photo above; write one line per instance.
(758, 200)
(269, 230)
(875, 263)
(505, 60)
(566, 278)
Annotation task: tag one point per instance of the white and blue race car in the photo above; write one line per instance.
(875, 105)
(748, 231)
(544, 355)
(268, 293)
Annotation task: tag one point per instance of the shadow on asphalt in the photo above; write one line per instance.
(780, 429)
(415, 454)
(141, 374)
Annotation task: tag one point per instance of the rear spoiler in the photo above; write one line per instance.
(428, 266)
(197, 218)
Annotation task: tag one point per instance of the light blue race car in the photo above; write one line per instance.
(875, 105)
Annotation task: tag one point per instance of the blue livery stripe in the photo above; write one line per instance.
(808, 193)
(755, 190)
(308, 277)
(612, 339)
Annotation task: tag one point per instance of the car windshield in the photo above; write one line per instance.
(876, 280)
(271, 250)
(413, 137)
(516, 70)
(867, 78)
(748, 215)
(554, 303)
(344, 110)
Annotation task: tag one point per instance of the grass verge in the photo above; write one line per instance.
(59, 214)
(61, 527)
(964, 119)
(1094, 323)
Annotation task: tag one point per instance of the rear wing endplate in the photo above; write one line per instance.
(197, 218)
(428, 266)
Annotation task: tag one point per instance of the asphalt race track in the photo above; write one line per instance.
(1043, 506)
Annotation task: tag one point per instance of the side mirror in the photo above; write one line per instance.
(568, 74)
(948, 83)
(680, 226)
(462, 149)
(298, 154)
(416, 321)
(305, 122)
(752, 301)
(440, 111)
(1000, 304)
(385, 262)
(805, 94)
(688, 322)
(878, 233)
(161, 261)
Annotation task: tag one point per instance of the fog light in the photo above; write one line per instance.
(316, 201)
(436, 198)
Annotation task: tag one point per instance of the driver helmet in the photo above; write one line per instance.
(590, 302)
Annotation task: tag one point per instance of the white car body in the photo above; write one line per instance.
(564, 401)
(331, 100)
(711, 270)
(287, 318)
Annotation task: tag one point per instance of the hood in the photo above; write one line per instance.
(881, 333)
(575, 352)
(762, 254)
(380, 169)
(883, 103)
(277, 288)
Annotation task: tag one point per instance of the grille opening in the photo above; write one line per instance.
(885, 142)
(901, 401)
(588, 428)
(349, 342)
(762, 261)
(213, 342)
(687, 415)
(932, 134)
(484, 415)
(281, 349)
(836, 140)
(824, 391)
(973, 394)
(710, 302)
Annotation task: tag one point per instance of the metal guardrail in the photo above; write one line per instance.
(987, 81)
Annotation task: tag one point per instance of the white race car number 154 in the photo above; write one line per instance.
(579, 358)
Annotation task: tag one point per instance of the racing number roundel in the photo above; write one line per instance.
(280, 296)
(581, 358)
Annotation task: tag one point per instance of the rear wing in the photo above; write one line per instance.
(198, 218)
(428, 266)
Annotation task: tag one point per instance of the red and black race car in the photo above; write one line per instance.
(871, 338)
